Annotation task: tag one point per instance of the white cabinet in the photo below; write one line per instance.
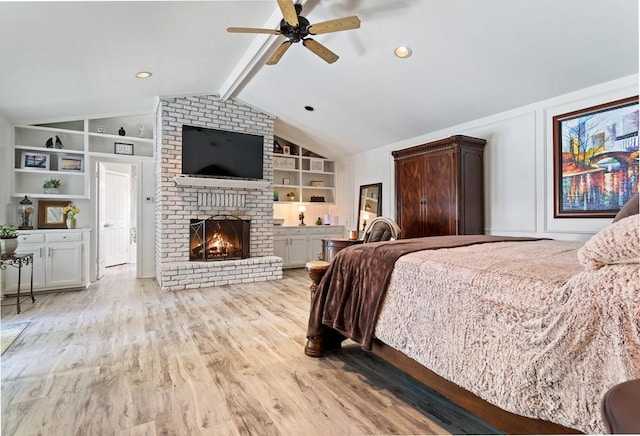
(290, 243)
(301, 175)
(298, 245)
(61, 150)
(60, 260)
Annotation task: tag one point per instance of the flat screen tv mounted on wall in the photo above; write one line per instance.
(221, 154)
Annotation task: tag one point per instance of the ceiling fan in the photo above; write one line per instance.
(297, 28)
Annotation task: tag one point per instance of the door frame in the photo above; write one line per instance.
(136, 172)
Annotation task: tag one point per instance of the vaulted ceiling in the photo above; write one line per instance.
(471, 58)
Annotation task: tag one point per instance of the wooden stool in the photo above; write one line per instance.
(621, 408)
(316, 270)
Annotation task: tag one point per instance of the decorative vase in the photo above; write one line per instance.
(121, 131)
(8, 246)
(71, 223)
(51, 191)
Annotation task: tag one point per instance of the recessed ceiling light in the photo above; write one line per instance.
(309, 108)
(403, 52)
(143, 75)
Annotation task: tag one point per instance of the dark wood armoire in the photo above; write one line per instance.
(440, 188)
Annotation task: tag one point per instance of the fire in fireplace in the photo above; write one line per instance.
(221, 237)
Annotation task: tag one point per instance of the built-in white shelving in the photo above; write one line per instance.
(60, 150)
(306, 175)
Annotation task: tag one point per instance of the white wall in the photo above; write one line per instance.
(5, 173)
(518, 166)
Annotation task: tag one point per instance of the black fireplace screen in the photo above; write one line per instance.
(221, 237)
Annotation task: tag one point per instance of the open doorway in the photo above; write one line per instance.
(117, 215)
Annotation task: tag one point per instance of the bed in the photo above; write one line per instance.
(527, 333)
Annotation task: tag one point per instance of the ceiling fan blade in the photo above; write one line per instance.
(320, 50)
(252, 30)
(289, 12)
(336, 25)
(280, 51)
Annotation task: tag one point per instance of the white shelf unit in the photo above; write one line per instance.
(308, 176)
(35, 162)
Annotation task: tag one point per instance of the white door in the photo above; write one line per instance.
(116, 218)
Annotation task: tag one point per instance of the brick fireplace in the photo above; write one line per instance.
(181, 201)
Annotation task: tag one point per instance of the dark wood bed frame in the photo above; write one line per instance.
(499, 418)
(507, 422)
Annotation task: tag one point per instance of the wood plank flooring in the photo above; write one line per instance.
(125, 358)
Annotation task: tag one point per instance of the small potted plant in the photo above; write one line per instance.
(8, 239)
(51, 186)
(291, 196)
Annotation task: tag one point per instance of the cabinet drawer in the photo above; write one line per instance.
(30, 238)
(280, 232)
(289, 231)
(64, 237)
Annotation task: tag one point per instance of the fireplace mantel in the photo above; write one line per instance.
(209, 182)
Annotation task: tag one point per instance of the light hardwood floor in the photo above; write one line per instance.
(125, 358)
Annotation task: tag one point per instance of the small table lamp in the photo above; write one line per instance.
(302, 209)
(365, 218)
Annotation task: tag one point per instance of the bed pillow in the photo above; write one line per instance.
(619, 242)
(631, 207)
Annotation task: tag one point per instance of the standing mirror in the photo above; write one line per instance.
(370, 204)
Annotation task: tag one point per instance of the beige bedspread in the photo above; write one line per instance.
(522, 325)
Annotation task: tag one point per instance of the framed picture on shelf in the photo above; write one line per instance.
(284, 163)
(71, 164)
(316, 165)
(286, 181)
(34, 161)
(51, 214)
(595, 159)
(123, 148)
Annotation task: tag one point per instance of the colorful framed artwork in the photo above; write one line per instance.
(595, 156)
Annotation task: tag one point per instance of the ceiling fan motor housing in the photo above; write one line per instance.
(295, 33)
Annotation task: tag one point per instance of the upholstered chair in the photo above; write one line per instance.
(381, 229)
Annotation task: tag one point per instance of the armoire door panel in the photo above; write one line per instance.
(410, 173)
(441, 198)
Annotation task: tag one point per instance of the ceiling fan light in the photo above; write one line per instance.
(403, 52)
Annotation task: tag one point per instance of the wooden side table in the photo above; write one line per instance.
(331, 246)
(18, 261)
